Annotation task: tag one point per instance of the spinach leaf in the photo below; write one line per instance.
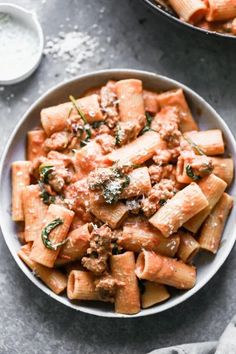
(191, 174)
(148, 124)
(44, 173)
(46, 232)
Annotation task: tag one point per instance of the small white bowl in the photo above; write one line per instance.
(207, 118)
(30, 19)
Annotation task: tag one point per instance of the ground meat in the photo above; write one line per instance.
(107, 143)
(100, 249)
(108, 183)
(126, 131)
(166, 123)
(57, 141)
(109, 106)
(162, 157)
(170, 133)
(59, 177)
(158, 195)
(35, 166)
(107, 286)
(159, 172)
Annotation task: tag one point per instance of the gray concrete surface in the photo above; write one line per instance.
(30, 322)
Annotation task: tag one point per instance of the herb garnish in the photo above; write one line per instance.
(162, 202)
(195, 147)
(148, 124)
(46, 197)
(111, 182)
(113, 188)
(45, 234)
(86, 127)
(119, 135)
(44, 173)
(191, 174)
(116, 249)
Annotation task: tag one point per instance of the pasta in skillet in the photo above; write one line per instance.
(119, 192)
(212, 15)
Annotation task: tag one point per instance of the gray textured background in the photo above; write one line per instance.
(31, 322)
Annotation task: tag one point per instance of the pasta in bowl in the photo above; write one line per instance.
(217, 17)
(122, 188)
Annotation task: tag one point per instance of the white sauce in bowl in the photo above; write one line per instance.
(19, 47)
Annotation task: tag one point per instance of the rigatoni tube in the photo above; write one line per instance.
(176, 98)
(209, 141)
(223, 168)
(130, 97)
(138, 151)
(213, 227)
(53, 278)
(188, 247)
(20, 179)
(154, 267)
(81, 286)
(140, 183)
(35, 140)
(76, 245)
(40, 253)
(153, 294)
(220, 10)
(55, 118)
(113, 215)
(34, 210)
(178, 210)
(213, 187)
(127, 298)
(143, 236)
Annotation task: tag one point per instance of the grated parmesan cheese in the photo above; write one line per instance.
(72, 48)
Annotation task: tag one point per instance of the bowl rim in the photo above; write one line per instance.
(5, 7)
(155, 309)
(156, 9)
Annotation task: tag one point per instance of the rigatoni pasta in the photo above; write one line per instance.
(211, 231)
(188, 247)
(53, 278)
(209, 141)
(189, 10)
(127, 299)
(223, 168)
(119, 192)
(212, 15)
(35, 140)
(56, 226)
(183, 206)
(212, 187)
(153, 294)
(154, 267)
(34, 211)
(20, 179)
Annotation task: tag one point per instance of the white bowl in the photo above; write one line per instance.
(207, 118)
(30, 19)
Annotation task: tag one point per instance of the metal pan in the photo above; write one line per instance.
(169, 15)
